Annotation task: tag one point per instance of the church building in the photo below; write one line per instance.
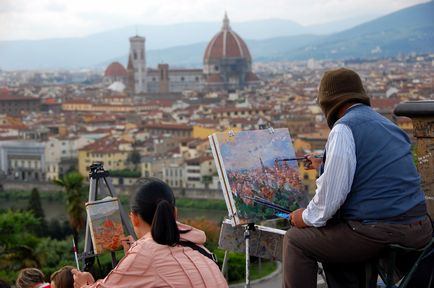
(227, 66)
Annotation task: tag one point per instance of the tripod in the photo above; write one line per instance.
(98, 175)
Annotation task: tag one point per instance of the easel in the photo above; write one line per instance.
(96, 174)
(249, 227)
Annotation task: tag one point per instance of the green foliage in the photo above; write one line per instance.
(206, 178)
(55, 254)
(16, 242)
(127, 173)
(13, 225)
(57, 230)
(414, 153)
(214, 204)
(24, 195)
(35, 207)
(237, 266)
(134, 158)
(19, 248)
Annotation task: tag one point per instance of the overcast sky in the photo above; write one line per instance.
(38, 19)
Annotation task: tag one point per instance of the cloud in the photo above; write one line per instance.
(23, 19)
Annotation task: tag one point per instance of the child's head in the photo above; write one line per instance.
(29, 277)
(62, 278)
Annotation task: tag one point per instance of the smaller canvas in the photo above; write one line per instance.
(257, 185)
(105, 225)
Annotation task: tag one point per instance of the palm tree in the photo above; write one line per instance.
(72, 182)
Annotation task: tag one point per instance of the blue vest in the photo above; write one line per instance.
(386, 183)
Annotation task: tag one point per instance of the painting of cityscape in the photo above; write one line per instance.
(105, 225)
(252, 173)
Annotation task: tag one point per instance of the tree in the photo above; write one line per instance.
(19, 248)
(134, 158)
(73, 184)
(17, 245)
(35, 207)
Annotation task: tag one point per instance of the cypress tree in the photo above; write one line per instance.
(35, 207)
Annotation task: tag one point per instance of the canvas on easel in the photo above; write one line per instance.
(250, 167)
(105, 224)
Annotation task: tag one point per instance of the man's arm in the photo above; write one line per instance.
(335, 183)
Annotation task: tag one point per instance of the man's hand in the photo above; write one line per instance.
(297, 219)
(313, 161)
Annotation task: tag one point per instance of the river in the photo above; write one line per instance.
(55, 209)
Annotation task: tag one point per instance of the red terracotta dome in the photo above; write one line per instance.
(4, 91)
(115, 69)
(226, 44)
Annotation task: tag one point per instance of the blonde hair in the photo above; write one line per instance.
(29, 277)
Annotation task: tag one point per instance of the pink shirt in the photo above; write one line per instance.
(149, 264)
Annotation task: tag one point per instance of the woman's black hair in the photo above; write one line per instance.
(155, 203)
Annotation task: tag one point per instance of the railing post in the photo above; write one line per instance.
(422, 116)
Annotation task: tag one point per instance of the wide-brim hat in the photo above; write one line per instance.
(337, 88)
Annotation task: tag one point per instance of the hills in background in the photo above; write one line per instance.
(405, 31)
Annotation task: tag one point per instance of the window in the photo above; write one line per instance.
(182, 79)
(135, 55)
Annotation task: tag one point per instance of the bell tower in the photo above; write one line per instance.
(137, 65)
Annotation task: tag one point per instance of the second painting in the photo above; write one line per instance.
(255, 166)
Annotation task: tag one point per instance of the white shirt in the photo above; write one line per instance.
(335, 183)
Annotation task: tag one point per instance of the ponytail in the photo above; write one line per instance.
(155, 203)
(164, 229)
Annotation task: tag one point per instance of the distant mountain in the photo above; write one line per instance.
(405, 31)
(98, 48)
(408, 30)
(261, 50)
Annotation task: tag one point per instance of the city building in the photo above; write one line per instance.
(200, 173)
(174, 130)
(165, 80)
(14, 105)
(23, 160)
(108, 150)
(227, 63)
(61, 155)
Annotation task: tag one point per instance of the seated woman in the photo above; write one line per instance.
(160, 257)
